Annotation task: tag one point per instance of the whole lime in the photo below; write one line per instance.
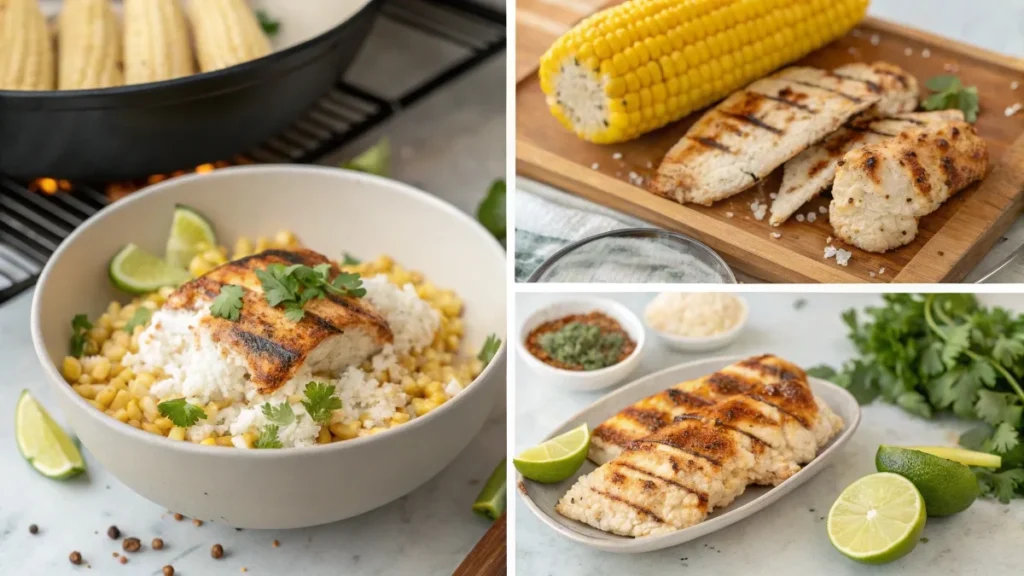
(948, 487)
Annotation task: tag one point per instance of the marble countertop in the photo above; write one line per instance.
(427, 532)
(788, 538)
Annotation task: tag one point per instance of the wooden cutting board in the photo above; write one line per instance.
(489, 557)
(951, 240)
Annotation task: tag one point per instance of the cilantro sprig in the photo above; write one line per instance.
(228, 303)
(282, 414)
(181, 412)
(951, 94)
(945, 353)
(268, 438)
(80, 326)
(140, 318)
(291, 287)
(320, 401)
(270, 25)
(491, 346)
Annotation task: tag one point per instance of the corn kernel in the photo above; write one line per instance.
(149, 409)
(135, 423)
(133, 410)
(121, 414)
(165, 424)
(152, 428)
(225, 441)
(209, 441)
(106, 396)
(176, 433)
(324, 436)
(71, 368)
(102, 369)
(120, 400)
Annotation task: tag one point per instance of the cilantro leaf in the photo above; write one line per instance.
(293, 311)
(822, 371)
(1001, 485)
(348, 285)
(268, 438)
(1004, 439)
(915, 403)
(490, 347)
(951, 94)
(320, 401)
(491, 212)
(293, 286)
(997, 407)
(958, 339)
(140, 318)
(277, 285)
(349, 260)
(80, 327)
(943, 83)
(931, 359)
(228, 304)
(975, 438)
(181, 412)
(270, 26)
(1007, 350)
(282, 414)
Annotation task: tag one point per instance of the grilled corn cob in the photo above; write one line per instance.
(90, 46)
(640, 65)
(227, 33)
(156, 42)
(26, 49)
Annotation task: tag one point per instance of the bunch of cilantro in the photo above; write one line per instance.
(945, 353)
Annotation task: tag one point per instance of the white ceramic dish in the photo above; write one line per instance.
(706, 344)
(578, 379)
(541, 498)
(331, 211)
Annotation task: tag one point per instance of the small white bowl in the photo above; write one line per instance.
(704, 343)
(581, 379)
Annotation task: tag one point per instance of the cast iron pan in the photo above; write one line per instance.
(135, 131)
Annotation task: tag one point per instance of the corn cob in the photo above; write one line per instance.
(156, 42)
(90, 46)
(640, 65)
(227, 33)
(26, 49)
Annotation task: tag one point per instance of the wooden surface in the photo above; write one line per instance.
(950, 242)
(489, 556)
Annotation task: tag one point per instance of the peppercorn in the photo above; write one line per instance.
(113, 533)
(178, 517)
(276, 543)
(75, 557)
(168, 570)
(123, 559)
(131, 544)
(158, 544)
(217, 551)
(197, 522)
(33, 529)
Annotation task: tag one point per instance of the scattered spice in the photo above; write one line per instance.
(178, 517)
(276, 543)
(158, 544)
(580, 342)
(168, 570)
(131, 544)
(197, 522)
(244, 569)
(75, 557)
(123, 559)
(116, 555)
(33, 529)
(217, 551)
(113, 533)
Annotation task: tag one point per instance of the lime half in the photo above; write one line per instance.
(138, 272)
(947, 487)
(877, 519)
(556, 459)
(965, 457)
(189, 230)
(43, 443)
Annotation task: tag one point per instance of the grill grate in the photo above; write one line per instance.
(33, 224)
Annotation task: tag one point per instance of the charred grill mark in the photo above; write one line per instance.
(753, 176)
(782, 100)
(901, 78)
(818, 167)
(617, 478)
(653, 420)
(909, 120)
(727, 384)
(917, 171)
(754, 121)
(803, 421)
(840, 93)
(630, 466)
(711, 143)
(871, 85)
(680, 398)
(640, 509)
(672, 443)
(279, 358)
(871, 168)
(840, 143)
(759, 365)
(954, 179)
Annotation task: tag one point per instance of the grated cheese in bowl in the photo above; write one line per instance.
(694, 315)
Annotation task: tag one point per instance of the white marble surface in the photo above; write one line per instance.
(789, 537)
(428, 532)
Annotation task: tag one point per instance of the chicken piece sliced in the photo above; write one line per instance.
(756, 130)
(814, 169)
(334, 333)
(898, 90)
(649, 415)
(883, 190)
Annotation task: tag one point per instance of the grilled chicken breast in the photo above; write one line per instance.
(336, 331)
(882, 190)
(898, 91)
(814, 169)
(756, 130)
(651, 414)
(703, 460)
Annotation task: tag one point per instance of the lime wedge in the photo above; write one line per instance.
(138, 272)
(375, 160)
(491, 502)
(965, 457)
(189, 229)
(556, 459)
(947, 487)
(877, 519)
(43, 443)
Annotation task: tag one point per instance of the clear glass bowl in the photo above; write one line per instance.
(636, 256)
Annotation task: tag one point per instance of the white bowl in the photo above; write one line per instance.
(579, 379)
(706, 343)
(332, 211)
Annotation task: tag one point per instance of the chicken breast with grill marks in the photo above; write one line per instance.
(756, 130)
(881, 191)
(335, 332)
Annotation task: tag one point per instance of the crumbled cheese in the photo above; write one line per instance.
(881, 271)
(1014, 85)
(773, 195)
(843, 257)
(452, 388)
(800, 218)
(828, 240)
(1011, 110)
(776, 235)
(811, 216)
(635, 179)
(857, 33)
(595, 166)
(871, 274)
(617, 156)
(830, 251)
(908, 52)
(822, 210)
(650, 164)
(729, 214)
(694, 314)
(926, 53)
(876, 39)
(758, 209)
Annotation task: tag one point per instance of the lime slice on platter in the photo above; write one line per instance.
(190, 231)
(136, 271)
(43, 442)
(877, 519)
(556, 459)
